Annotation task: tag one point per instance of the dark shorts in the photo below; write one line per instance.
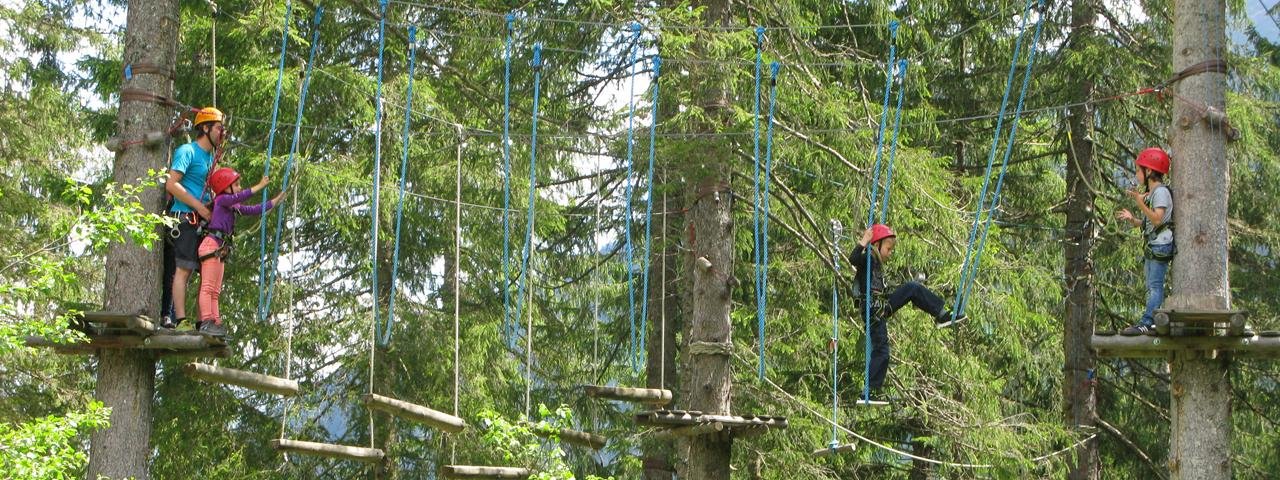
(182, 244)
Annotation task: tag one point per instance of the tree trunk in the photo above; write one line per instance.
(663, 325)
(126, 378)
(710, 264)
(1200, 440)
(1079, 395)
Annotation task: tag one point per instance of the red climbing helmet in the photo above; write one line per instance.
(880, 232)
(1155, 159)
(222, 178)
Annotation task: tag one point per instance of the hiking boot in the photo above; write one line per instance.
(214, 329)
(946, 319)
(167, 323)
(1138, 329)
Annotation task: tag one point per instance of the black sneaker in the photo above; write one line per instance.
(167, 323)
(1138, 329)
(214, 329)
(947, 320)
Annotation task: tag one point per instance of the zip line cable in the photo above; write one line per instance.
(376, 193)
(271, 140)
(404, 174)
(270, 280)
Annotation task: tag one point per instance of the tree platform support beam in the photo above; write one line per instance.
(645, 396)
(252, 381)
(417, 413)
(1145, 346)
(162, 342)
(471, 471)
(359, 454)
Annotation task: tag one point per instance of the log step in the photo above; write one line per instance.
(646, 396)
(470, 471)
(835, 449)
(359, 454)
(253, 381)
(416, 413)
(575, 437)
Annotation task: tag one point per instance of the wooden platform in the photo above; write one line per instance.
(645, 396)
(471, 471)
(359, 454)
(685, 423)
(107, 330)
(1265, 345)
(1178, 322)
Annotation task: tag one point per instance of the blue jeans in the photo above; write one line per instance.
(1155, 270)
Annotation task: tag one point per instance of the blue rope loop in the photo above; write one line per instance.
(628, 255)
(506, 184)
(533, 190)
(762, 295)
(404, 174)
(871, 209)
(901, 74)
(756, 243)
(271, 141)
(1004, 166)
(648, 214)
(835, 332)
(288, 165)
(377, 166)
(966, 270)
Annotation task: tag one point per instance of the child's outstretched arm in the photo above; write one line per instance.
(261, 207)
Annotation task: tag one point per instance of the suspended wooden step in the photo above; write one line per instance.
(416, 413)
(252, 381)
(835, 449)
(470, 471)
(359, 454)
(646, 396)
(870, 403)
(575, 437)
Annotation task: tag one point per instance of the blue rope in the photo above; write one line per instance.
(288, 164)
(271, 141)
(1004, 163)
(893, 142)
(965, 273)
(871, 210)
(506, 187)
(762, 296)
(533, 186)
(755, 207)
(404, 173)
(835, 335)
(633, 354)
(648, 214)
(377, 165)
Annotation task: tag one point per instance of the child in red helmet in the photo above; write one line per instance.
(1155, 203)
(879, 241)
(225, 184)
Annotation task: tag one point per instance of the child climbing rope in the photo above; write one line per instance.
(881, 240)
(1155, 203)
(225, 183)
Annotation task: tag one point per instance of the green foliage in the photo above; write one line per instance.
(532, 444)
(50, 448)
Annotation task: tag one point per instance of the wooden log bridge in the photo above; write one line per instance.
(694, 423)
(359, 454)
(470, 471)
(645, 396)
(417, 413)
(574, 437)
(252, 381)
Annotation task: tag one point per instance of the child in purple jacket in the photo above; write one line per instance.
(225, 184)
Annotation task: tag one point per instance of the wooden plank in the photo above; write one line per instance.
(417, 413)
(1141, 346)
(870, 403)
(680, 418)
(111, 318)
(692, 430)
(359, 454)
(472, 471)
(211, 352)
(240, 378)
(647, 396)
(1198, 316)
(140, 325)
(189, 341)
(835, 449)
